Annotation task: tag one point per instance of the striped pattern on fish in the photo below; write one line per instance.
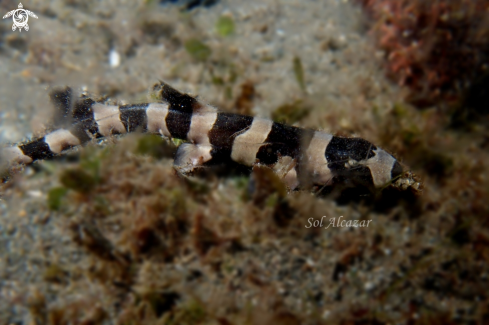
(301, 157)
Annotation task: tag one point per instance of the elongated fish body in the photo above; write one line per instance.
(301, 157)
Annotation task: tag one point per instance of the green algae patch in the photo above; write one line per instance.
(78, 180)
(191, 313)
(291, 113)
(154, 146)
(225, 26)
(197, 49)
(299, 73)
(54, 273)
(55, 197)
(90, 162)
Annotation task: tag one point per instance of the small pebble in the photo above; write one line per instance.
(114, 58)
